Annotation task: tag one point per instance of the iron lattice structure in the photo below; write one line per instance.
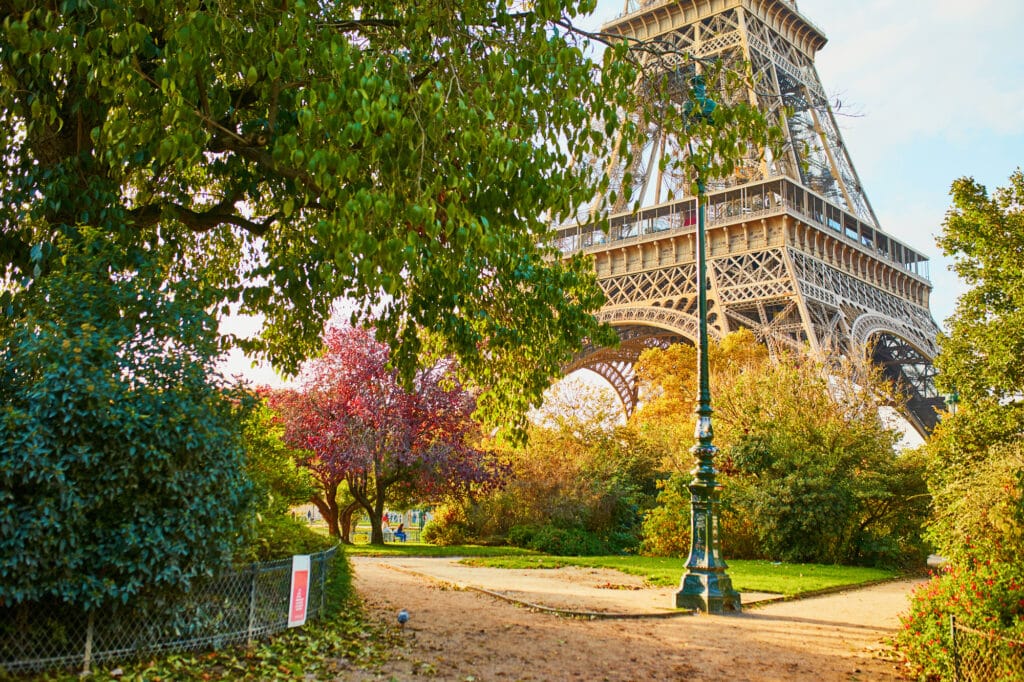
(795, 250)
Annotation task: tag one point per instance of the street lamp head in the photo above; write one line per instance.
(952, 400)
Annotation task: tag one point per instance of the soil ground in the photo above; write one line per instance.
(461, 629)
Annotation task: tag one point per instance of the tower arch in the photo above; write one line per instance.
(617, 365)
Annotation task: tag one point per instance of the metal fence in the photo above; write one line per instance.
(980, 656)
(236, 607)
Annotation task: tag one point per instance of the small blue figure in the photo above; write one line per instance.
(403, 617)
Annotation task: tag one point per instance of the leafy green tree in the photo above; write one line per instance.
(984, 234)
(279, 483)
(408, 156)
(980, 360)
(121, 465)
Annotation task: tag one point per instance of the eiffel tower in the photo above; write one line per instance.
(795, 251)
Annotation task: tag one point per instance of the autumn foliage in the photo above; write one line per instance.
(808, 468)
(359, 426)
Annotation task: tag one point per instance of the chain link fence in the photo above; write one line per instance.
(984, 656)
(236, 607)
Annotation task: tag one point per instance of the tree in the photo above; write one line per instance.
(408, 156)
(121, 465)
(668, 380)
(362, 427)
(981, 353)
(809, 469)
(285, 476)
(278, 483)
(976, 457)
(980, 360)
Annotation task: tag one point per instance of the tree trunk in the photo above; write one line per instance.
(375, 507)
(377, 533)
(346, 522)
(380, 487)
(329, 509)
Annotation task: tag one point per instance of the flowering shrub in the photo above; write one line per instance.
(980, 593)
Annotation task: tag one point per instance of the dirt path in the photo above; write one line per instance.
(463, 634)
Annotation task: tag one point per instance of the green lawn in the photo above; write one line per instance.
(747, 576)
(424, 549)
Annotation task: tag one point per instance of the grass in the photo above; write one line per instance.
(747, 576)
(398, 549)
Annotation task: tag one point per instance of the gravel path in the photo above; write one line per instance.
(457, 632)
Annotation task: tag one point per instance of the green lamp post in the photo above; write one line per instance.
(952, 400)
(705, 585)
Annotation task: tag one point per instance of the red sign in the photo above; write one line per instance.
(299, 592)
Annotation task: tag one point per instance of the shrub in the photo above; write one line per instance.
(576, 480)
(559, 541)
(981, 594)
(121, 463)
(808, 469)
(448, 527)
(977, 481)
(666, 527)
(279, 536)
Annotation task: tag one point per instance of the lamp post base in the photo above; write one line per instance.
(709, 591)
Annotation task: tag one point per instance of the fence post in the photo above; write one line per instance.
(252, 604)
(323, 581)
(89, 627)
(952, 647)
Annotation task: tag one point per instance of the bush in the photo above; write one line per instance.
(808, 469)
(559, 541)
(576, 481)
(448, 527)
(977, 481)
(280, 536)
(978, 493)
(121, 463)
(666, 527)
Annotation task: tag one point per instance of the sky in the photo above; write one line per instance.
(931, 90)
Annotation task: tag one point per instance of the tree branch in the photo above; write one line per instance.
(223, 213)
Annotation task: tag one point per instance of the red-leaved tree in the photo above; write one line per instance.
(360, 426)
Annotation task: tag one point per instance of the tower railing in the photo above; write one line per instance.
(748, 202)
